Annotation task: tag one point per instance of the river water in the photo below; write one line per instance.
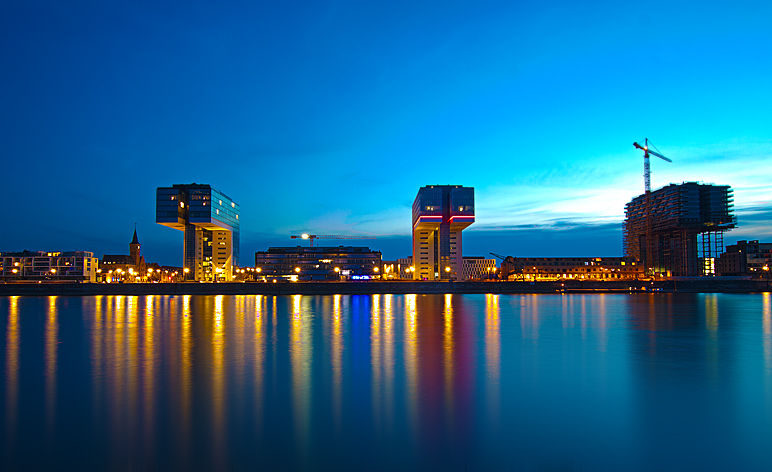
(388, 382)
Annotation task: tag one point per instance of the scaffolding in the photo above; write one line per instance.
(678, 230)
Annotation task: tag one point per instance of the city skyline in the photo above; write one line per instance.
(326, 119)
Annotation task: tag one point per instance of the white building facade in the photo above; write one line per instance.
(70, 266)
(474, 268)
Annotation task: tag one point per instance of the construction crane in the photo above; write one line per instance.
(647, 186)
(311, 237)
(646, 165)
(509, 266)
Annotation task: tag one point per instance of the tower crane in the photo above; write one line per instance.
(646, 164)
(647, 185)
(311, 237)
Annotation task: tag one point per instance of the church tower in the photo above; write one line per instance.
(134, 248)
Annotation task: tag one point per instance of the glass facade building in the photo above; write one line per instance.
(440, 214)
(209, 220)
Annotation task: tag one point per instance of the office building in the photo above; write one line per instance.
(570, 268)
(678, 230)
(746, 258)
(406, 268)
(209, 220)
(319, 263)
(478, 267)
(440, 214)
(31, 266)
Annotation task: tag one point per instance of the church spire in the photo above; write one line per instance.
(135, 240)
(134, 248)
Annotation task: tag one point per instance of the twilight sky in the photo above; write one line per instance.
(326, 117)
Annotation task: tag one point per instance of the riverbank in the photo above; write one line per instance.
(394, 287)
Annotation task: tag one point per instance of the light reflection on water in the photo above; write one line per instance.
(601, 381)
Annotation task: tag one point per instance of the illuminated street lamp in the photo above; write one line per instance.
(53, 271)
(297, 269)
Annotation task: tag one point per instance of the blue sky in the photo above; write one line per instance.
(326, 117)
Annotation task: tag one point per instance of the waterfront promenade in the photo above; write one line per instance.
(383, 287)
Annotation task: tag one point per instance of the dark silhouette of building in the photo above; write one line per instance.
(678, 230)
(746, 258)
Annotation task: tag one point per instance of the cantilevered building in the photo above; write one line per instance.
(440, 213)
(678, 230)
(210, 222)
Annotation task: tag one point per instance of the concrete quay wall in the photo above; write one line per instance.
(373, 287)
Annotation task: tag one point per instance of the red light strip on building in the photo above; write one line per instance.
(461, 216)
(425, 217)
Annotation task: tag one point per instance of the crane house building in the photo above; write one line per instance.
(209, 220)
(440, 214)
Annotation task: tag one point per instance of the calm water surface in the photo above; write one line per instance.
(388, 382)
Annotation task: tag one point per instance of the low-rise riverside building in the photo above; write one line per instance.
(42, 266)
(571, 268)
(478, 267)
(406, 268)
(390, 270)
(318, 263)
(746, 258)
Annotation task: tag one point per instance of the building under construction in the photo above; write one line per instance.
(678, 230)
